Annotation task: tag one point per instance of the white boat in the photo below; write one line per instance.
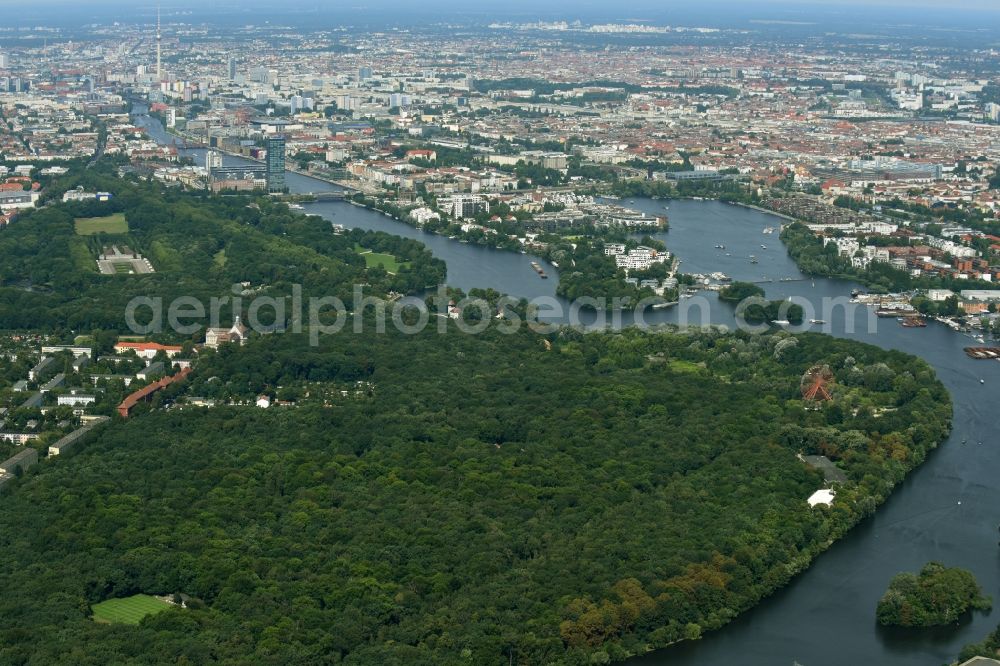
(781, 322)
(817, 321)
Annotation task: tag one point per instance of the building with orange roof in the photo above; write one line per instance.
(146, 393)
(147, 349)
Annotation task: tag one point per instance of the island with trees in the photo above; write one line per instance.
(755, 309)
(937, 595)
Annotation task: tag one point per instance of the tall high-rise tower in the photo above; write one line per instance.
(159, 39)
(276, 163)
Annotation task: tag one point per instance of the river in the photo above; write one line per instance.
(946, 510)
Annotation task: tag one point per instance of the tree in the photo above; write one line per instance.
(936, 596)
(740, 291)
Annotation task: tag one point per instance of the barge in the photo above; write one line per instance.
(983, 353)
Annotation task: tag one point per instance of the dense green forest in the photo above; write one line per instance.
(199, 246)
(459, 499)
(436, 498)
(936, 596)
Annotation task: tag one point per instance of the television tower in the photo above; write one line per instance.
(159, 39)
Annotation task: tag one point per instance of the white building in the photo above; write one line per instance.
(423, 215)
(18, 438)
(938, 295)
(846, 247)
(76, 400)
(216, 336)
(461, 206)
(980, 294)
(640, 259)
(824, 496)
(17, 200)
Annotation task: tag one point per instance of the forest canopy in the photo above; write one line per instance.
(199, 246)
(456, 499)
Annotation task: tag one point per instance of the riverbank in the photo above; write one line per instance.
(762, 210)
(305, 173)
(946, 508)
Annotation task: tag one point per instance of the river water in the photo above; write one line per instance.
(946, 510)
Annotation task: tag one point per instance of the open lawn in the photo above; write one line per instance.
(129, 610)
(386, 261)
(678, 365)
(110, 224)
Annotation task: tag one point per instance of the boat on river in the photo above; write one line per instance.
(983, 353)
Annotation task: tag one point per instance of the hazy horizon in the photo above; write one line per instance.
(971, 21)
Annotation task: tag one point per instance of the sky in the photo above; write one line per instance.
(568, 5)
(840, 14)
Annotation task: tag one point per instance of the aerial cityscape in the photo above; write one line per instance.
(551, 333)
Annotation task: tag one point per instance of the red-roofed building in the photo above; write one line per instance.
(146, 392)
(834, 187)
(422, 154)
(147, 349)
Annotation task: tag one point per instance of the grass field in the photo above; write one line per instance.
(678, 365)
(128, 610)
(386, 261)
(111, 224)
